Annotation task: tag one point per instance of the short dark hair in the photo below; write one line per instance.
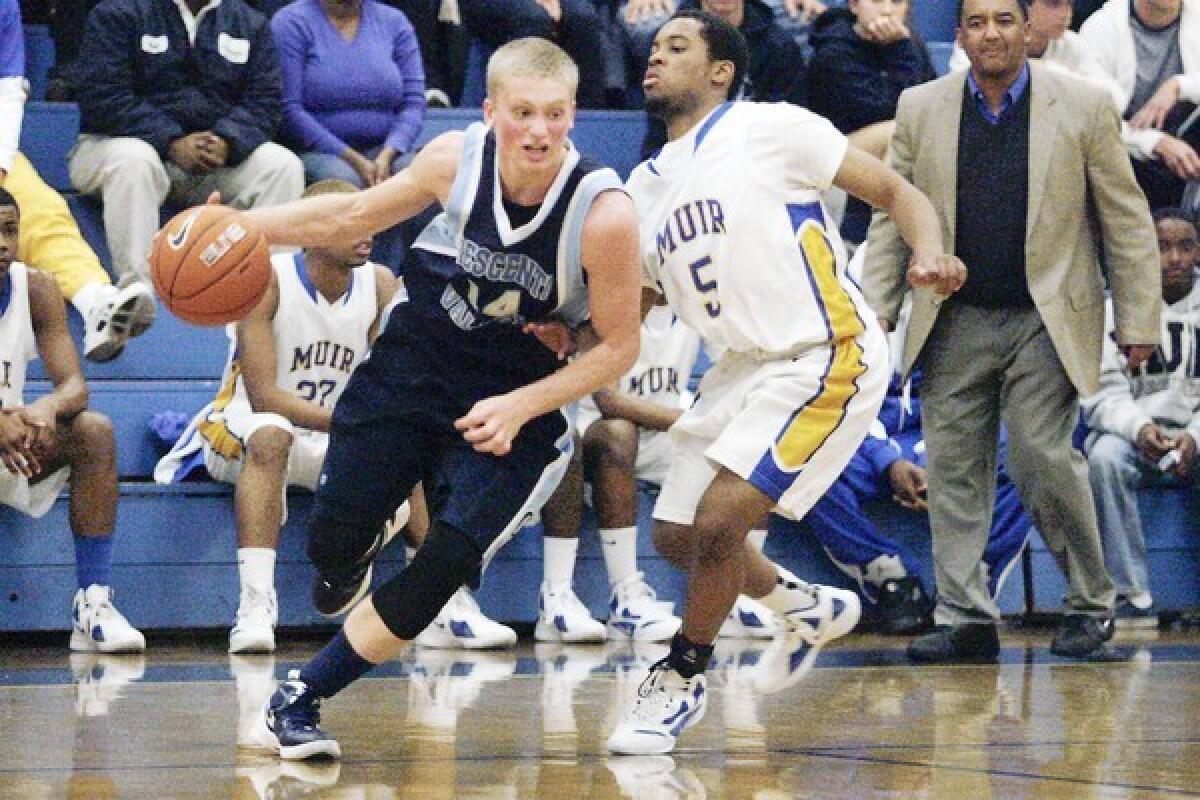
(1174, 212)
(1022, 5)
(6, 199)
(725, 43)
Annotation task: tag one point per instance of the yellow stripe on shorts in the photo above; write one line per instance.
(813, 424)
(840, 311)
(214, 430)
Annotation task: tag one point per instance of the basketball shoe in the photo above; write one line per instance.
(97, 626)
(749, 619)
(121, 312)
(254, 628)
(562, 617)
(635, 612)
(666, 704)
(821, 614)
(290, 725)
(462, 624)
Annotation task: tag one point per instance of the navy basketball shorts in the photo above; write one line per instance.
(372, 466)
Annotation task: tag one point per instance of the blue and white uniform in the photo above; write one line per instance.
(735, 236)
(18, 346)
(477, 276)
(667, 352)
(318, 344)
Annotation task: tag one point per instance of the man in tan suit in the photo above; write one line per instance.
(1030, 177)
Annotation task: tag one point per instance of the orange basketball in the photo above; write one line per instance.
(210, 265)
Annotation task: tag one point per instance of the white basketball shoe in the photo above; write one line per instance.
(461, 624)
(636, 613)
(254, 628)
(562, 617)
(666, 704)
(97, 626)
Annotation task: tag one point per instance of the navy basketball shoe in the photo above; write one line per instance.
(290, 723)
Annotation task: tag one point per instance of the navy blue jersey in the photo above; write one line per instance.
(475, 279)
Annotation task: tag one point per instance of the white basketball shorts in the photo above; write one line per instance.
(787, 426)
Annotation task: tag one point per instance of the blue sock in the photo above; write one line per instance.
(335, 667)
(93, 560)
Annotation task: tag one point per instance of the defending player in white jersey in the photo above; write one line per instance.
(55, 440)
(734, 234)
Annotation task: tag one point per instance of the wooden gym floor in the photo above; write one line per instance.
(531, 723)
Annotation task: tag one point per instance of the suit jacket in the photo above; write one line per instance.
(1082, 198)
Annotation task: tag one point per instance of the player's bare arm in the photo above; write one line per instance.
(873, 182)
(334, 218)
(256, 353)
(650, 416)
(57, 351)
(610, 258)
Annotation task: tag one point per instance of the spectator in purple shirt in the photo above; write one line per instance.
(353, 87)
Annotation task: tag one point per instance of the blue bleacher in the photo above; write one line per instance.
(940, 53)
(174, 556)
(39, 58)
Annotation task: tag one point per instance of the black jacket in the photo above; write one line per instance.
(144, 79)
(855, 83)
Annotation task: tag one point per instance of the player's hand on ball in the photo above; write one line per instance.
(943, 273)
(493, 423)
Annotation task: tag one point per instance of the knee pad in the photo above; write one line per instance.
(335, 547)
(409, 601)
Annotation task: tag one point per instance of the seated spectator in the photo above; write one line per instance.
(50, 239)
(864, 56)
(775, 72)
(623, 441)
(574, 25)
(1145, 424)
(890, 464)
(182, 99)
(1151, 50)
(356, 125)
(352, 125)
(55, 440)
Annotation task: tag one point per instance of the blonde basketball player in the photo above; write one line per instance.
(268, 426)
(735, 236)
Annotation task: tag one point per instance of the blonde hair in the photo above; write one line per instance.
(531, 57)
(330, 186)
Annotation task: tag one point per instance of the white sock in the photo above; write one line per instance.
(786, 595)
(757, 537)
(619, 546)
(558, 561)
(256, 568)
(89, 296)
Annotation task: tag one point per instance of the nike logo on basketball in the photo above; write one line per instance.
(176, 241)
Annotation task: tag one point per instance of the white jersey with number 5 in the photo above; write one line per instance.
(736, 237)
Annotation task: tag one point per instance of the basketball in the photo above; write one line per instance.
(210, 265)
